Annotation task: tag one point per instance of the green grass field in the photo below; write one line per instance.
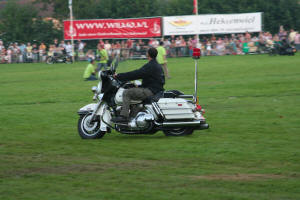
(251, 151)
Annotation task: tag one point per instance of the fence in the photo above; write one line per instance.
(140, 53)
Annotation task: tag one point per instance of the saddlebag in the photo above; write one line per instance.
(176, 109)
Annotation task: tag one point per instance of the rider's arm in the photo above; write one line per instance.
(134, 75)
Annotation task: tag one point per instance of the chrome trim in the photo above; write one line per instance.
(185, 96)
(94, 111)
(188, 123)
(196, 81)
(157, 109)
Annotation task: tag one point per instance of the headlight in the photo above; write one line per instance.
(97, 89)
(94, 89)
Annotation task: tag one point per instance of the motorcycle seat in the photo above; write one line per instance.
(162, 94)
(153, 98)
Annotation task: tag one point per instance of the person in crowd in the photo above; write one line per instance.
(220, 48)
(62, 45)
(1, 45)
(167, 45)
(15, 51)
(173, 48)
(29, 56)
(51, 50)
(3, 58)
(162, 58)
(153, 80)
(129, 46)
(178, 43)
(141, 43)
(190, 46)
(89, 72)
(297, 41)
(100, 42)
(292, 36)
(35, 52)
(90, 55)
(42, 52)
(81, 46)
(103, 56)
(116, 49)
(9, 53)
(69, 49)
(182, 46)
(55, 43)
(22, 48)
(107, 47)
(282, 33)
(208, 48)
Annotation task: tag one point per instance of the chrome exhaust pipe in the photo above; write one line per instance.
(172, 124)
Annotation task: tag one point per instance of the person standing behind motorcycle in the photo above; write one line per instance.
(153, 81)
(89, 72)
(102, 54)
(162, 58)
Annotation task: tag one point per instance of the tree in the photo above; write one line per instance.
(16, 22)
(21, 23)
(283, 12)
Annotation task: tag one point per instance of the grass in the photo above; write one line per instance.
(251, 151)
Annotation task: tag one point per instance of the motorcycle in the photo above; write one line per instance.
(281, 49)
(172, 112)
(59, 59)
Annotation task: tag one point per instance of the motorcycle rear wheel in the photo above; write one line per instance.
(68, 60)
(88, 129)
(179, 131)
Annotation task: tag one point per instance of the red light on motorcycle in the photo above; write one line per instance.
(199, 108)
(196, 53)
(180, 104)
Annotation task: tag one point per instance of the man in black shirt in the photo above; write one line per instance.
(153, 81)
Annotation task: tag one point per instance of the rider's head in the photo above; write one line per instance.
(152, 53)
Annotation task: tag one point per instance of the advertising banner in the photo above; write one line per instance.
(113, 28)
(212, 24)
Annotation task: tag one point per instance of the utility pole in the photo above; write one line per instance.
(71, 28)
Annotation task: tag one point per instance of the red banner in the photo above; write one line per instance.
(195, 4)
(113, 28)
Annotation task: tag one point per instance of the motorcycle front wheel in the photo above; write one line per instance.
(88, 129)
(50, 60)
(179, 131)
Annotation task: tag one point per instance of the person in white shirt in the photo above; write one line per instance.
(69, 48)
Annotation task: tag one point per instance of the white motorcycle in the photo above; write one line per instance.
(172, 112)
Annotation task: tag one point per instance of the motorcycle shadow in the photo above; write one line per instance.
(156, 136)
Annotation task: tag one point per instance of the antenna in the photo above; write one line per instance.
(196, 57)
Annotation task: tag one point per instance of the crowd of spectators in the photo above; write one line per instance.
(176, 46)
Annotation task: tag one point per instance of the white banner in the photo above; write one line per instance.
(212, 24)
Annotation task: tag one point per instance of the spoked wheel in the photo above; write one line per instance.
(179, 132)
(50, 60)
(88, 129)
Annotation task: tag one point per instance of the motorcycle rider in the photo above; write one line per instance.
(153, 80)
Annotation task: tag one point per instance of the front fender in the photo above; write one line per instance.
(87, 109)
(103, 112)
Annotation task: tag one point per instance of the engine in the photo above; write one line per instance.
(142, 121)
